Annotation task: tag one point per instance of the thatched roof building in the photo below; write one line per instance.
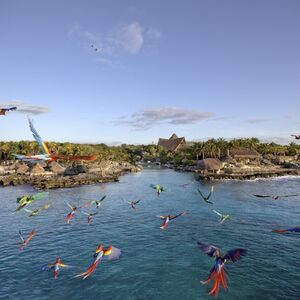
(174, 143)
(244, 154)
(210, 164)
(55, 167)
(37, 169)
(22, 169)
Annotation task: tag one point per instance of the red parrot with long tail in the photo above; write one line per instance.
(218, 271)
(168, 218)
(25, 242)
(111, 253)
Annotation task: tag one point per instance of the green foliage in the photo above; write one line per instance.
(216, 148)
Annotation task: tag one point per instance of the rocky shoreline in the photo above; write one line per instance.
(244, 172)
(251, 175)
(71, 176)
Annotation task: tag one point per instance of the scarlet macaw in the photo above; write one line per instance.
(168, 218)
(110, 253)
(25, 242)
(218, 271)
(55, 266)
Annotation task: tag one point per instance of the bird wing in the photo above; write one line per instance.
(262, 196)
(181, 214)
(136, 202)
(47, 267)
(210, 193)
(219, 214)
(114, 254)
(102, 198)
(285, 196)
(210, 250)
(21, 237)
(204, 198)
(69, 204)
(63, 265)
(38, 138)
(22, 206)
(10, 108)
(295, 229)
(40, 196)
(93, 214)
(22, 199)
(235, 254)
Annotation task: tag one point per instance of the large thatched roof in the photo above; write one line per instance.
(55, 167)
(37, 169)
(213, 164)
(173, 143)
(22, 169)
(244, 153)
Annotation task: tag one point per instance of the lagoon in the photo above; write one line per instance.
(156, 264)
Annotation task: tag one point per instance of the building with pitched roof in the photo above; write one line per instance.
(174, 143)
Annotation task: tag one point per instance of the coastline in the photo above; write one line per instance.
(250, 175)
(239, 173)
(51, 180)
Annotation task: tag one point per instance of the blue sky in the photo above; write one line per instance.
(198, 68)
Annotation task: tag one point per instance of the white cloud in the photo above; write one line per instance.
(26, 108)
(128, 38)
(148, 118)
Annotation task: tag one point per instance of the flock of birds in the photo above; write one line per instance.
(217, 273)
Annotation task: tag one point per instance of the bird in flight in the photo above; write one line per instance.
(109, 253)
(275, 197)
(3, 111)
(96, 202)
(168, 218)
(223, 218)
(294, 229)
(206, 198)
(218, 271)
(25, 242)
(297, 137)
(95, 48)
(90, 216)
(134, 203)
(35, 212)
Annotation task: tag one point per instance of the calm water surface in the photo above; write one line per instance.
(156, 264)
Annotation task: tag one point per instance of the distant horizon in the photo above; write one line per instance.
(116, 144)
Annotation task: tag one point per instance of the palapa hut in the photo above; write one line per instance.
(22, 169)
(37, 169)
(210, 164)
(174, 143)
(245, 155)
(55, 167)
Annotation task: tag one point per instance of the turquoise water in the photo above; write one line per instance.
(156, 264)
